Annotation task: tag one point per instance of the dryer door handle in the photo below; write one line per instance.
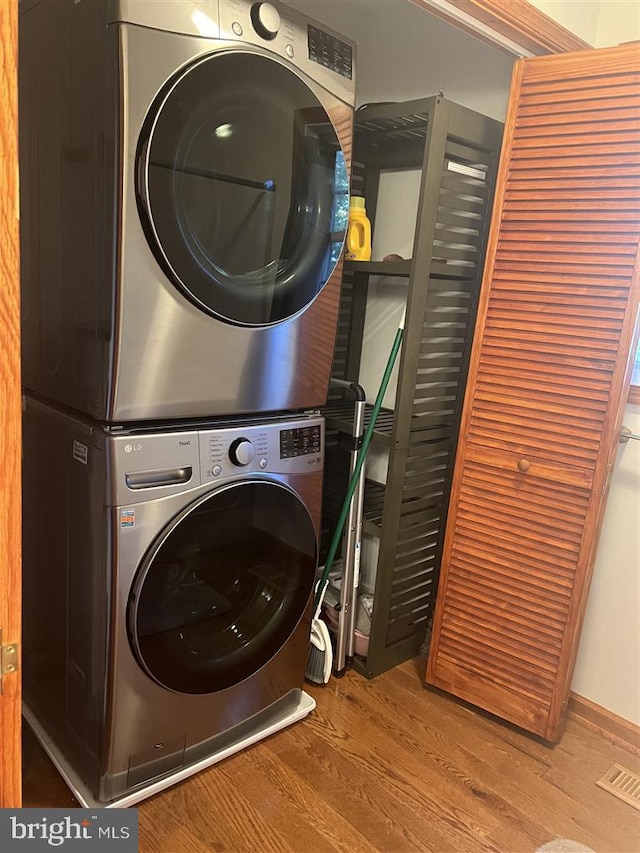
(164, 477)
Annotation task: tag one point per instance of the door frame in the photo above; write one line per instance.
(489, 20)
(514, 25)
(10, 413)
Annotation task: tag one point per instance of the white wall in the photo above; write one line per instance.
(608, 665)
(601, 23)
(579, 16)
(618, 22)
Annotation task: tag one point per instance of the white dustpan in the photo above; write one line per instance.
(320, 658)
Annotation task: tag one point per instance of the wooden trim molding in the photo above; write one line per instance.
(605, 722)
(517, 20)
(10, 406)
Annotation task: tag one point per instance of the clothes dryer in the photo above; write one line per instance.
(184, 184)
(168, 579)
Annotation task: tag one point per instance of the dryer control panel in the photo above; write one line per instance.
(318, 51)
(324, 55)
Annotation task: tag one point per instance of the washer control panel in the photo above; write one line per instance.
(265, 19)
(242, 452)
(300, 441)
(147, 465)
(285, 447)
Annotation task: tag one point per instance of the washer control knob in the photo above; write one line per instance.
(266, 20)
(263, 463)
(216, 470)
(242, 451)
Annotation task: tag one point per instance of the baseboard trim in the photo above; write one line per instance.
(599, 719)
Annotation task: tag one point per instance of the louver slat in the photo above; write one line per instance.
(546, 388)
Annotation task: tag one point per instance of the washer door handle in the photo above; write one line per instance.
(164, 477)
(141, 176)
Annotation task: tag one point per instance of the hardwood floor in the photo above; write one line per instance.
(386, 765)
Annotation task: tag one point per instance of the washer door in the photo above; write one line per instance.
(223, 588)
(242, 188)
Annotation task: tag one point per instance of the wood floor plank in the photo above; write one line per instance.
(373, 809)
(291, 803)
(505, 778)
(558, 783)
(181, 839)
(216, 812)
(385, 765)
(465, 814)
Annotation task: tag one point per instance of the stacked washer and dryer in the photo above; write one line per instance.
(184, 199)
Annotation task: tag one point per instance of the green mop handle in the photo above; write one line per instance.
(353, 482)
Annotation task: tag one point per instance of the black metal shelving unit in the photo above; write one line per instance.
(457, 151)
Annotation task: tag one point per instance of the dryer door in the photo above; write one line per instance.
(242, 188)
(223, 588)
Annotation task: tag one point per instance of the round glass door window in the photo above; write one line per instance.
(224, 589)
(242, 188)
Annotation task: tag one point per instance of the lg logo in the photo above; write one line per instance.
(129, 448)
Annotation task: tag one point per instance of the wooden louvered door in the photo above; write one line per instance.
(546, 390)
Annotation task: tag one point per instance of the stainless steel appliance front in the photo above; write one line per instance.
(168, 582)
(186, 259)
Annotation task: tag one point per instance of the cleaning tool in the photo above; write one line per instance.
(345, 629)
(320, 659)
(316, 662)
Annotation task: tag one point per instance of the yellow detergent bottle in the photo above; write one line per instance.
(358, 232)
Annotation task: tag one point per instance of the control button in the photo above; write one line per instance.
(289, 51)
(216, 470)
(265, 19)
(237, 28)
(242, 451)
(263, 463)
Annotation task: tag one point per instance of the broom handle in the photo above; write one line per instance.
(353, 481)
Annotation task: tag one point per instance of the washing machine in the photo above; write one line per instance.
(184, 191)
(168, 579)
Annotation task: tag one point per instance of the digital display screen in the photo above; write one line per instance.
(329, 51)
(302, 441)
